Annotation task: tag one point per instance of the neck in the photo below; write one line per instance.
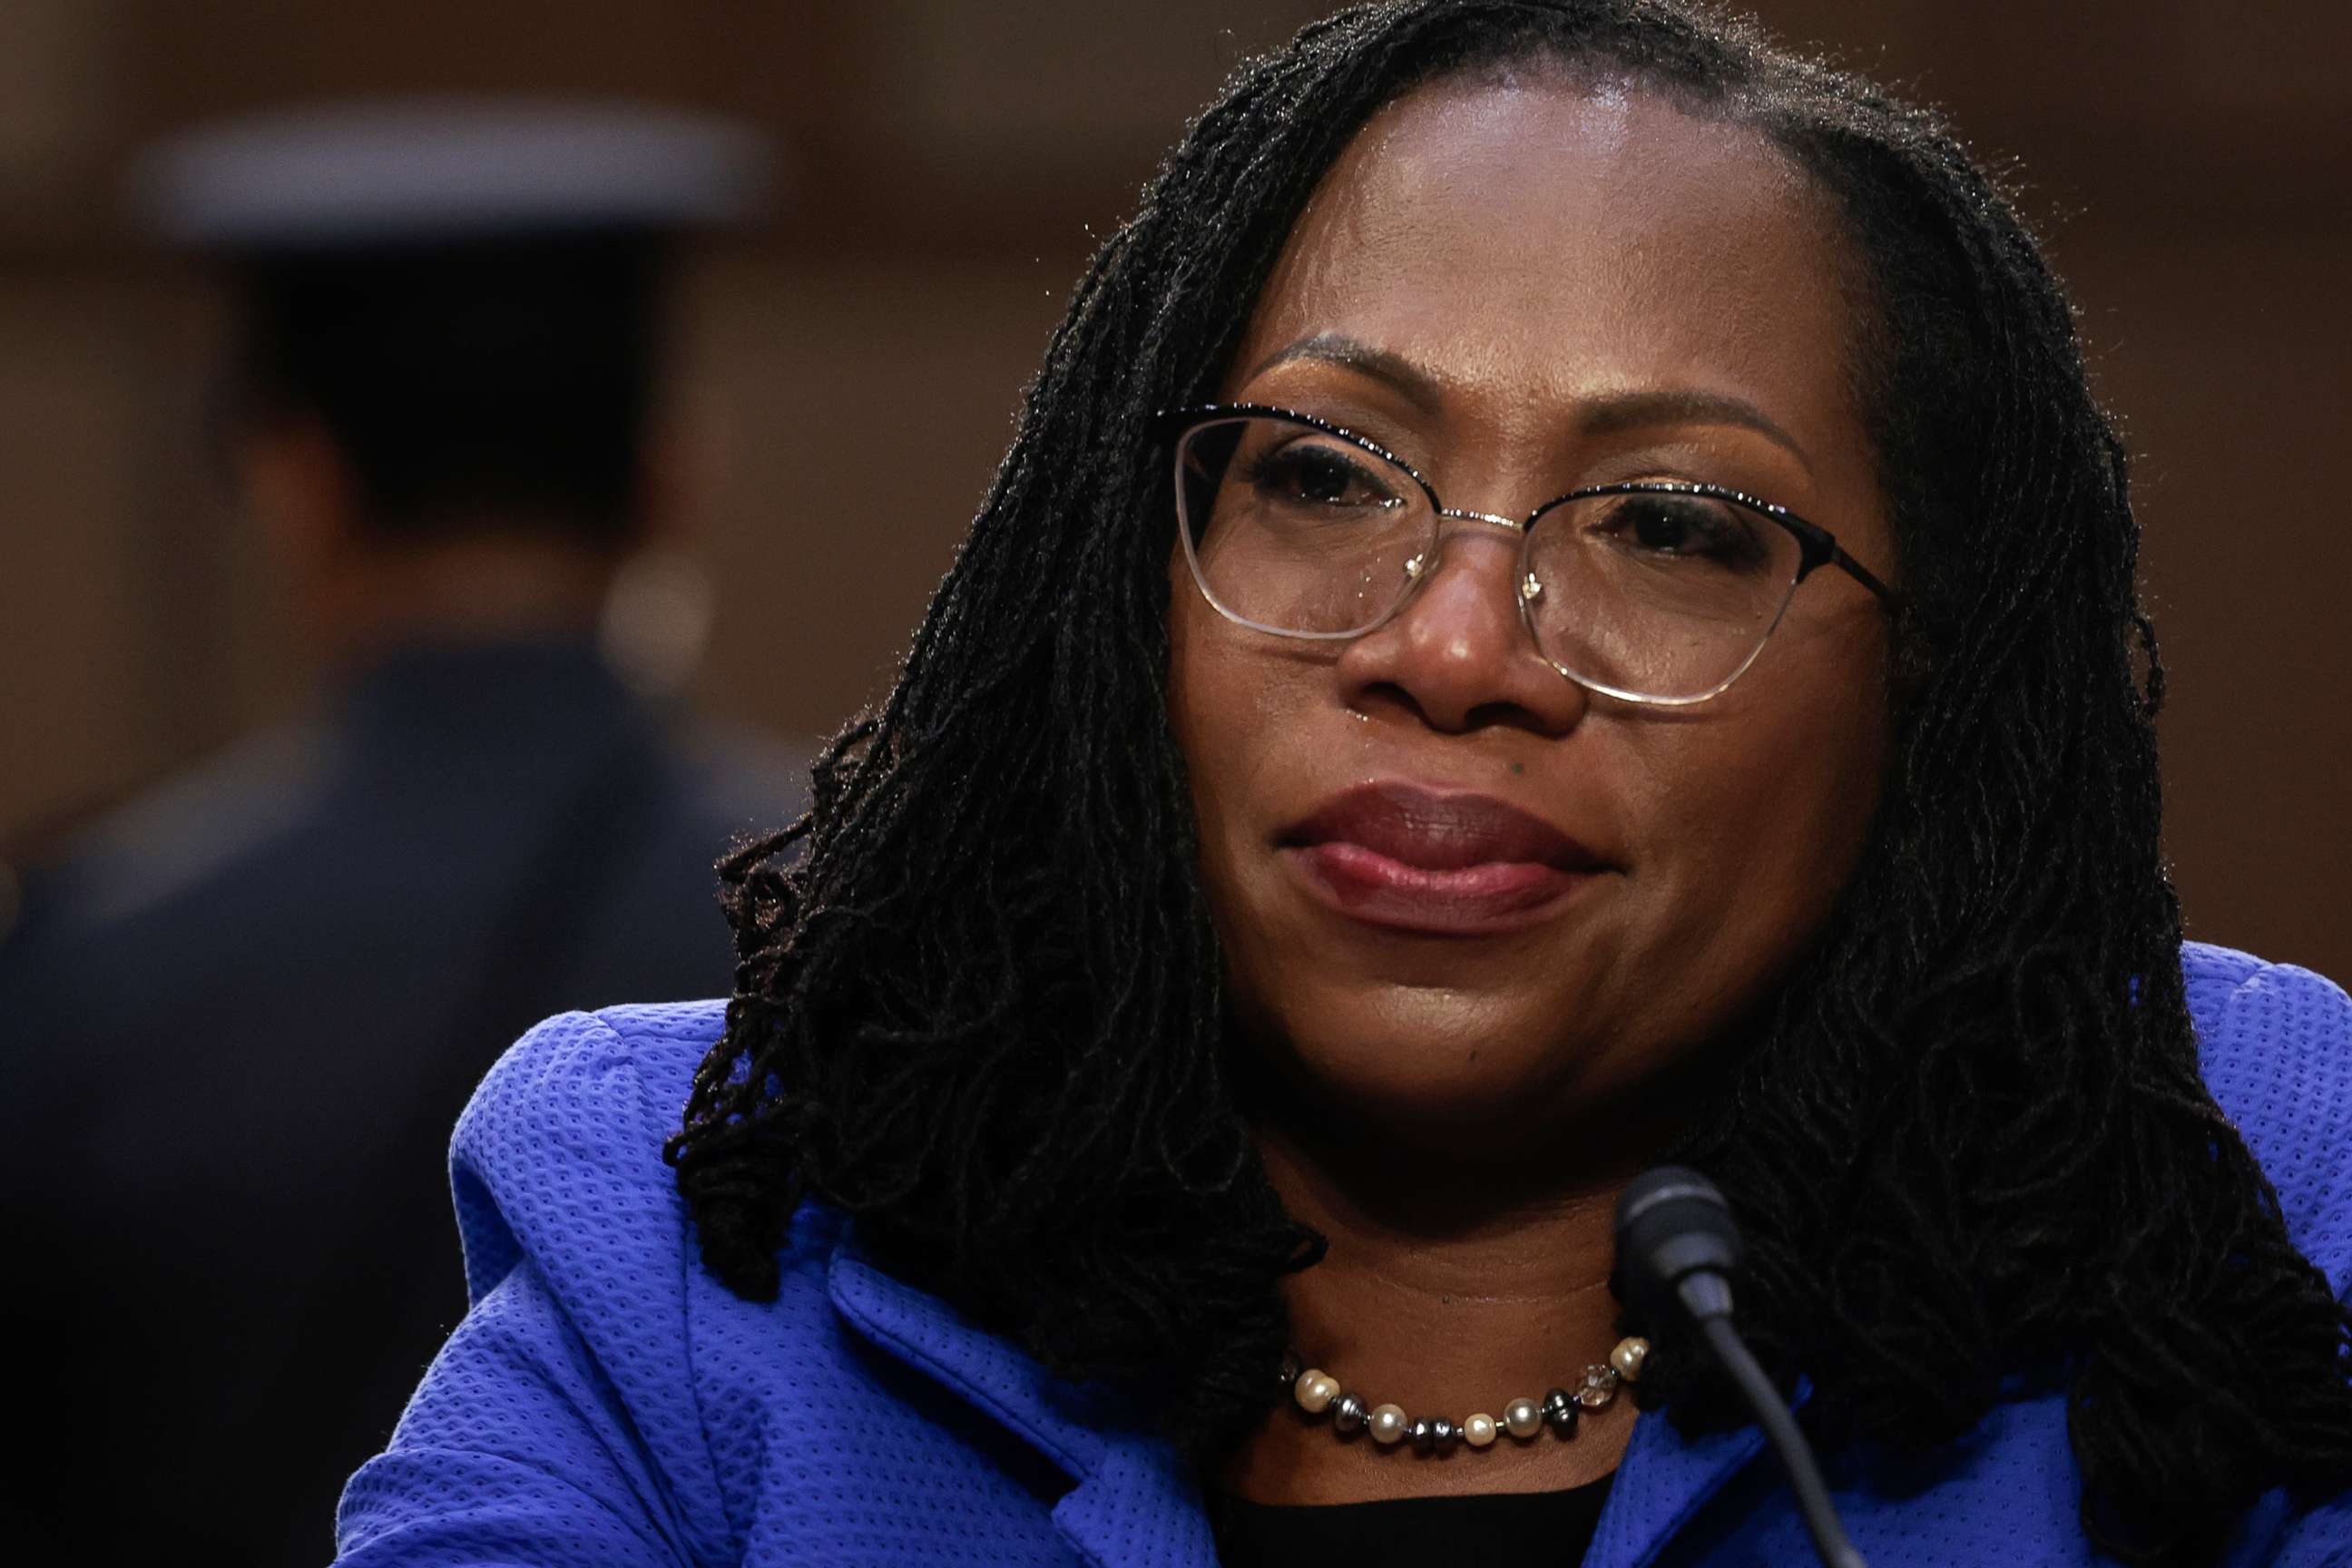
(1449, 1289)
(474, 588)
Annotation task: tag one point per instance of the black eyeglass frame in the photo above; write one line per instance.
(1816, 546)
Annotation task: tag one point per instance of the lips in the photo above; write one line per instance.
(1408, 858)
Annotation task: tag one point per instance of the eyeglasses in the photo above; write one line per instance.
(1657, 592)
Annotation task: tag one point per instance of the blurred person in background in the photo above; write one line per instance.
(240, 1016)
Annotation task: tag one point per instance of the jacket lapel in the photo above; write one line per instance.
(1132, 1503)
(1662, 1482)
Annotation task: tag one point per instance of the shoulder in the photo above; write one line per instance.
(582, 1263)
(600, 1383)
(608, 1065)
(182, 835)
(558, 1158)
(559, 1154)
(2275, 1042)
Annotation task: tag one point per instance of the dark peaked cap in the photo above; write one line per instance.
(465, 291)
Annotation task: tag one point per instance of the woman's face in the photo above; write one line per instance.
(1522, 291)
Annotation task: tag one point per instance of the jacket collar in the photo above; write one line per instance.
(1134, 1501)
(1663, 1481)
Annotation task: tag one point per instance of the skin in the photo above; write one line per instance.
(1457, 1112)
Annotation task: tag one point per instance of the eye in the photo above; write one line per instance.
(1672, 526)
(1321, 474)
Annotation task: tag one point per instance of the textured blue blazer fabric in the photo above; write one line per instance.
(606, 1401)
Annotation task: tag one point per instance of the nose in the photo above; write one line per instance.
(1458, 654)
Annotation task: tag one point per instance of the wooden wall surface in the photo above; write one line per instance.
(952, 164)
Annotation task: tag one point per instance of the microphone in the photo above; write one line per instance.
(1677, 1249)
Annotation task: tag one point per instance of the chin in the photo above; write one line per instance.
(1426, 1067)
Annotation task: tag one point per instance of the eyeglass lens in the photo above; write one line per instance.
(1652, 595)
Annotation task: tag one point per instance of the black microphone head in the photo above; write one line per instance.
(1673, 1223)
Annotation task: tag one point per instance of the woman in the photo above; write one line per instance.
(1623, 648)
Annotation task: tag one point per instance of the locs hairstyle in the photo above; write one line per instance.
(981, 1013)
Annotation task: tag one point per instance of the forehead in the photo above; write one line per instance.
(1542, 241)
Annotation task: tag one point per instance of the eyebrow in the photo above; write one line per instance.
(1609, 413)
(1420, 388)
(1619, 411)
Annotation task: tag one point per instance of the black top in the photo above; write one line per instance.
(1537, 1529)
(236, 1029)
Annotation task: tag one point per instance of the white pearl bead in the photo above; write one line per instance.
(1524, 1417)
(1315, 1391)
(1628, 1357)
(1479, 1430)
(1388, 1423)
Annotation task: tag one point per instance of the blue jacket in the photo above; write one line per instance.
(607, 1401)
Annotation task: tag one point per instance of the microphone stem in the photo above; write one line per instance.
(1780, 1429)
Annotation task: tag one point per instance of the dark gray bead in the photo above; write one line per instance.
(1559, 1413)
(1424, 1433)
(1443, 1434)
(1291, 1369)
(1347, 1413)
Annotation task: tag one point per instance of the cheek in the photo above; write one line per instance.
(1754, 822)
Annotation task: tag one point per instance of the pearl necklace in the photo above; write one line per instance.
(1318, 1392)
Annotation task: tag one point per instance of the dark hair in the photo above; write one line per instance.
(491, 382)
(984, 1013)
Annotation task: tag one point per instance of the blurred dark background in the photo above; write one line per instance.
(850, 369)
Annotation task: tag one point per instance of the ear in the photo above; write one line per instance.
(300, 486)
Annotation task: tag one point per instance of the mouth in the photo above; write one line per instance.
(1403, 857)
